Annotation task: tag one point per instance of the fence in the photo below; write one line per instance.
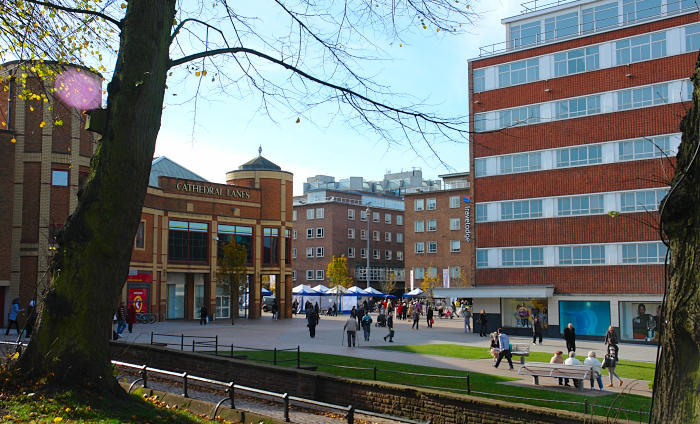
(230, 389)
(210, 345)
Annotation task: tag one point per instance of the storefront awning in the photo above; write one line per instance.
(495, 292)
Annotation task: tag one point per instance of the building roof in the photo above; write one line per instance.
(259, 164)
(164, 167)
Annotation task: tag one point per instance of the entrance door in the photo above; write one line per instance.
(176, 301)
(198, 300)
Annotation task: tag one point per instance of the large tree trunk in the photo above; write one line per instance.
(70, 345)
(677, 390)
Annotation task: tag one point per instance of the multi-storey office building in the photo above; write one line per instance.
(393, 184)
(366, 228)
(438, 247)
(576, 122)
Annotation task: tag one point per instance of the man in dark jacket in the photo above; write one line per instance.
(483, 321)
(536, 329)
(570, 337)
(311, 321)
(390, 325)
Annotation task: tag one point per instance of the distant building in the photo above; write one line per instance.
(393, 184)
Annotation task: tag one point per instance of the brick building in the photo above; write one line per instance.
(576, 122)
(360, 226)
(438, 242)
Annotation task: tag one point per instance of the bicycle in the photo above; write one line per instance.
(145, 318)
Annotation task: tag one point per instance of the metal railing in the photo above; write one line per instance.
(231, 388)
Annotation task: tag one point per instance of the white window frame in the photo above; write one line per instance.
(351, 214)
(363, 234)
(418, 205)
(351, 233)
(452, 246)
(399, 255)
(351, 252)
(387, 218)
(387, 236)
(310, 213)
(431, 225)
(387, 255)
(430, 204)
(419, 248)
(319, 232)
(399, 237)
(376, 254)
(320, 213)
(376, 235)
(319, 251)
(294, 252)
(320, 275)
(363, 253)
(419, 226)
(310, 233)
(309, 275)
(375, 216)
(309, 252)
(454, 202)
(399, 219)
(454, 224)
(432, 247)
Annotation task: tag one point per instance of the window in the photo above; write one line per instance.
(363, 215)
(479, 80)
(351, 233)
(294, 234)
(522, 162)
(644, 148)
(243, 235)
(482, 258)
(479, 122)
(319, 213)
(376, 254)
(432, 225)
(519, 116)
(518, 72)
(351, 214)
(454, 224)
(363, 253)
(580, 106)
(399, 237)
(432, 247)
(561, 26)
(644, 47)
(481, 213)
(522, 35)
(375, 235)
(188, 241)
(399, 255)
(480, 167)
(431, 272)
(419, 273)
(692, 37)
(319, 252)
(527, 256)
(600, 17)
(399, 219)
(294, 275)
(309, 252)
(454, 202)
(309, 233)
(673, 6)
(351, 252)
(575, 61)
(387, 236)
(521, 209)
(319, 274)
(419, 226)
(643, 253)
(454, 246)
(294, 252)
(418, 205)
(387, 255)
(634, 10)
(420, 247)
(59, 178)
(363, 234)
(580, 205)
(375, 216)
(310, 213)
(310, 274)
(642, 96)
(574, 156)
(319, 232)
(139, 242)
(455, 272)
(294, 215)
(642, 201)
(387, 218)
(581, 255)
(431, 204)
(288, 245)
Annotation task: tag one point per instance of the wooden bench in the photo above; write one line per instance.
(520, 349)
(541, 369)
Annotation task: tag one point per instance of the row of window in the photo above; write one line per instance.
(431, 225)
(588, 204)
(605, 55)
(420, 273)
(420, 246)
(590, 154)
(376, 254)
(430, 204)
(311, 275)
(599, 254)
(319, 213)
(606, 102)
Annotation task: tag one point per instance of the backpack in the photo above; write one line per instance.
(366, 321)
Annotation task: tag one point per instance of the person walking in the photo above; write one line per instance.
(203, 315)
(121, 318)
(429, 316)
(12, 316)
(536, 329)
(312, 321)
(611, 360)
(570, 337)
(131, 316)
(416, 317)
(275, 309)
(366, 325)
(351, 328)
(467, 319)
(611, 339)
(31, 313)
(483, 323)
(390, 325)
(503, 349)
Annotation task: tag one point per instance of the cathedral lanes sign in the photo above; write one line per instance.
(212, 190)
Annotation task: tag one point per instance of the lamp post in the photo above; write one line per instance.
(367, 269)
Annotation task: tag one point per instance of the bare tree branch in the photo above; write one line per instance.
(78, 11)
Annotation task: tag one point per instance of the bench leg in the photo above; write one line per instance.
(537, 380)
(580, 385)
(522, 359)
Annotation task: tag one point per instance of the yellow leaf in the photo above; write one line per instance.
(31, 108)
(42, 124)
(4, 124)
(298, 120)
(438, 30)
(67, 409)
(425, 27)
(58, 419)
(401, 45)
(204, 73)
(197, 73)
(123, 5)
(13, 140)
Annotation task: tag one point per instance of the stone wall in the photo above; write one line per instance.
(394, 399)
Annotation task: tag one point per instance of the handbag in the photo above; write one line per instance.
(432, 321)
(606, 362)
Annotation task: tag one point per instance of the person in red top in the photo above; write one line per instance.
(131, 318)
(398, 310)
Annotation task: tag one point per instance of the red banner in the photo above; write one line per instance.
(140, 278)
(139, 297)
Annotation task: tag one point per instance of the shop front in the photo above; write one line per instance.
(138, 290)
(640, 321)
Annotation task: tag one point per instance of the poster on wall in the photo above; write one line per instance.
(139, 298)
(588, 317)
(640, 321)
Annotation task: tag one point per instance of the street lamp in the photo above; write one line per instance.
(367, 269)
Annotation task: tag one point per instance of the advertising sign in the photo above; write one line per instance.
(139, 297)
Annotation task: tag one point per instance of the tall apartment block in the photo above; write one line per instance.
(439, 248)
(575, 121)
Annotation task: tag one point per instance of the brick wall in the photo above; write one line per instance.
(381, 397)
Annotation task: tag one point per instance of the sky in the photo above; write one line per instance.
(429, 67)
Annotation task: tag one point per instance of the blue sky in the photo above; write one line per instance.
(429, 67)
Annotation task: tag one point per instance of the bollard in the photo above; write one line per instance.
(285, 399)
(182, 342)
(144, 375)
(585, 405)
(184, 384)
(274, 357)
(192, 345)
(230, 393)
(232, 350)
(216, 345)
(351, 414)
(375, 373)
(151, 337)
(298, 357)
(469, 388)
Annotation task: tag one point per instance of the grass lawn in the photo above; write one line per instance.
(625, 369)
(389, 372)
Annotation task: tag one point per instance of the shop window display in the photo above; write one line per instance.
(591, 318)
(519, 313)
(640, 321)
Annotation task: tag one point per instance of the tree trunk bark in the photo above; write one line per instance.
(677, 388)
(70, 345)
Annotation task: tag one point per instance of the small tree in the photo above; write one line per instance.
(389, 285)
(430, 281)
(232, 270)
(337, 271)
